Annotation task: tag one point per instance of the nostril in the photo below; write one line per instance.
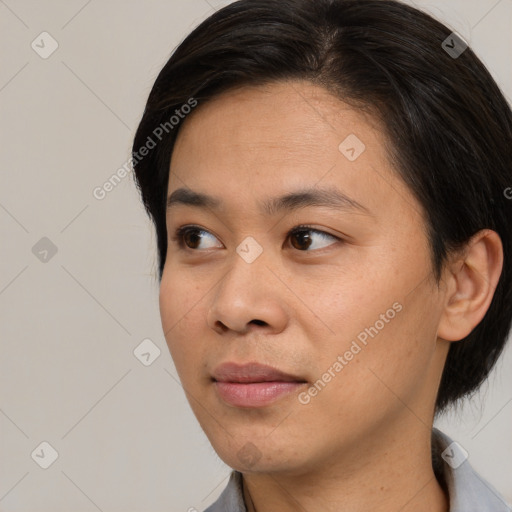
(258, 322)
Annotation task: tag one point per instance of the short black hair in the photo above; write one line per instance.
(449, 125)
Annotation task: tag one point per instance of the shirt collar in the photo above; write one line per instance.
(467, 490)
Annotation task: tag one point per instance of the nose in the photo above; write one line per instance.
(248, 297)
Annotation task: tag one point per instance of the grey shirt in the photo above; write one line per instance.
(467, 490)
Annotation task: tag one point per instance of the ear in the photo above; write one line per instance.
(471, 281)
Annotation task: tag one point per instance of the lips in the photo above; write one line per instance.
(253, 385)
(252, 372)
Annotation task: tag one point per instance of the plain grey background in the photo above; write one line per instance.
(78, 291)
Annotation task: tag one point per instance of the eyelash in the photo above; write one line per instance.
(183, 230)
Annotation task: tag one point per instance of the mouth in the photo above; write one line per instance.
(253, 385)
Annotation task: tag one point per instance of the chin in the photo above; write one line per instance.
(260, 456)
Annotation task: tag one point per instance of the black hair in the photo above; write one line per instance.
(449, 125)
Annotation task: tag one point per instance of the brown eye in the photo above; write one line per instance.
(191, 238)
(304, 237)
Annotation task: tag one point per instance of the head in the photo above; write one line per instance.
(328, 187)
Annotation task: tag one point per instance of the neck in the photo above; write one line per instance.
(385, 476)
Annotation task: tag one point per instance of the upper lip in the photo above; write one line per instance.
(251, 372)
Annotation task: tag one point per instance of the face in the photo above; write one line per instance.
(308, 257)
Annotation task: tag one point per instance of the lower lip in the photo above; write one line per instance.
(255, 394)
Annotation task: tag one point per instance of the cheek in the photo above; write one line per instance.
(375, 324)
(351, 302)
(183, 316)
(397, 349)
(366, 377)
(181, 296)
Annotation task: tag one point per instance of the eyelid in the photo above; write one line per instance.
(309, 227)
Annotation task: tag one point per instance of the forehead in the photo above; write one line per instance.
(296, 116)
(259, 142)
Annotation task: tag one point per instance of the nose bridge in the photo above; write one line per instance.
(244, 276)
(245, 293)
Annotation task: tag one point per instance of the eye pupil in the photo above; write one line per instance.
(305, 238)
(192, 233)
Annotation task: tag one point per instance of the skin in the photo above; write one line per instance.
(363, 442)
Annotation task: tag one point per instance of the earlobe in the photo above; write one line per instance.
(472, 280)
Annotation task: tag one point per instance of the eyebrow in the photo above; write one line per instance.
(303, 198)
